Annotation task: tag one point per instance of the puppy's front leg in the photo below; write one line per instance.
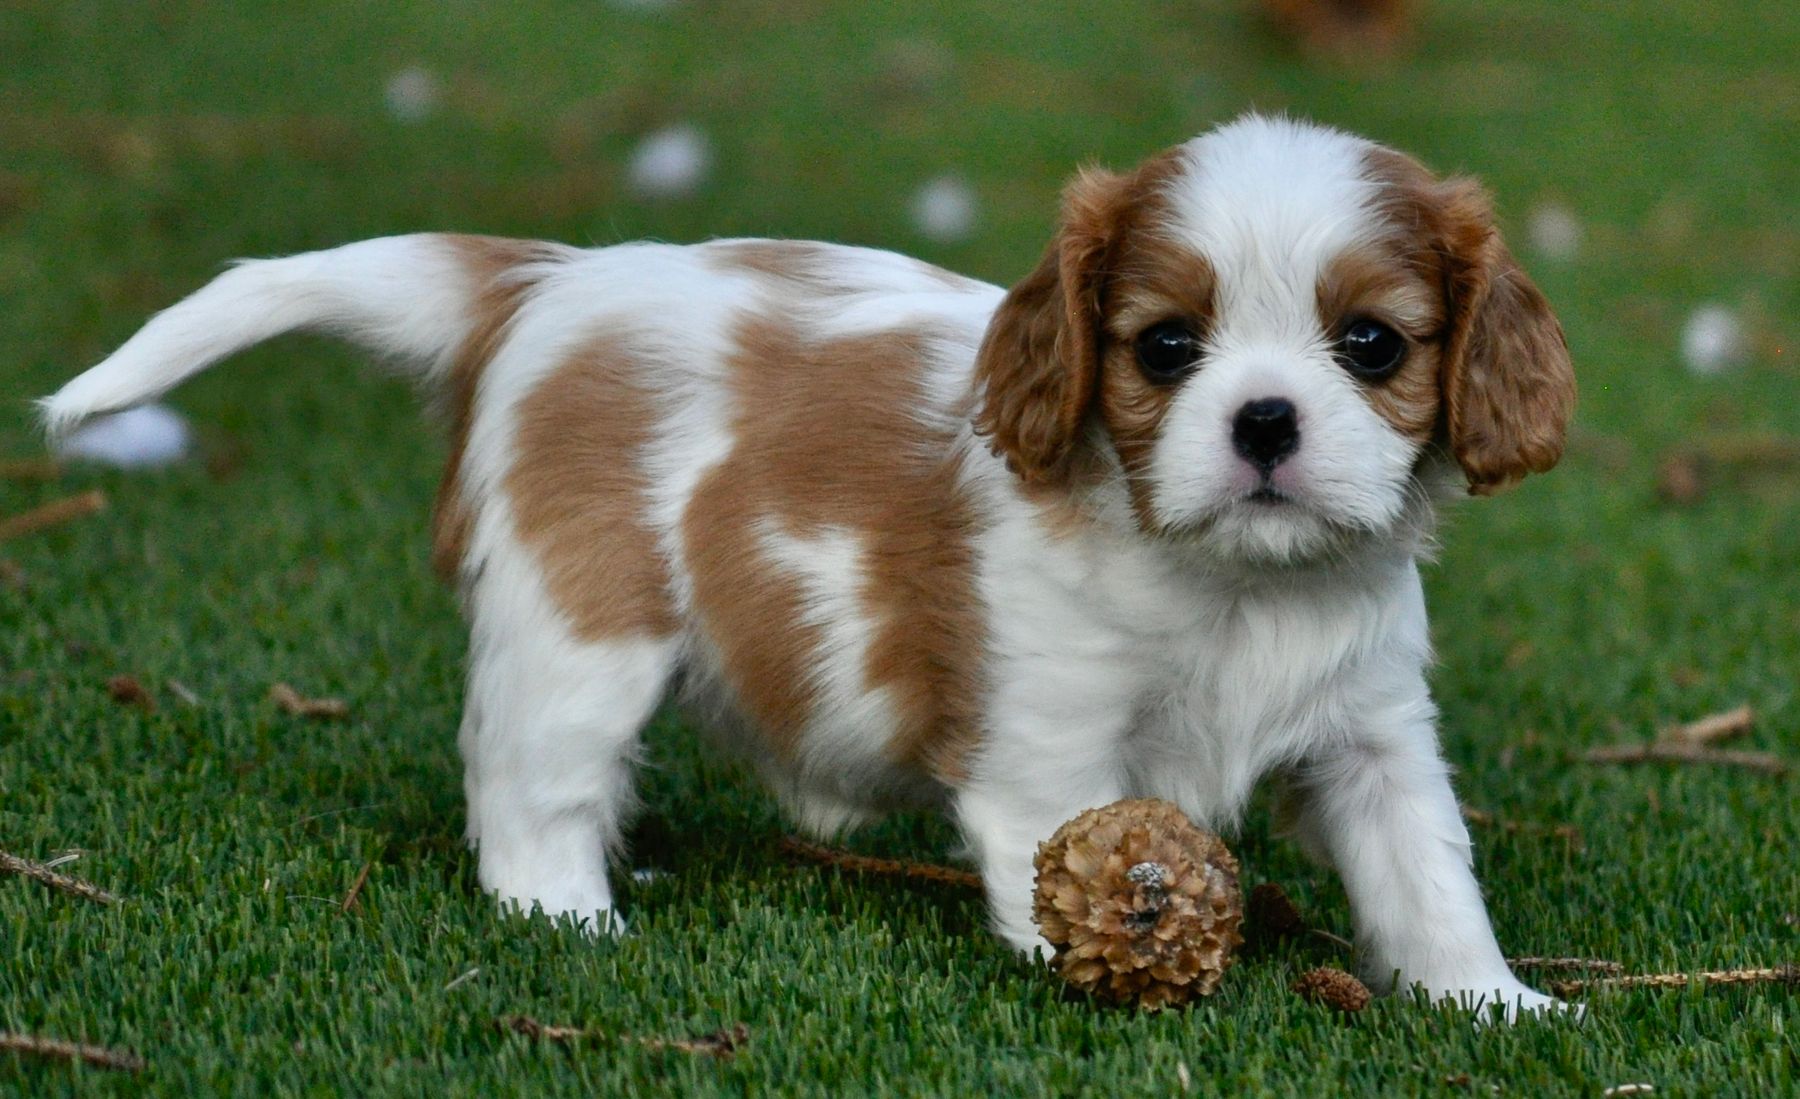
(1021, 792)
(1379, 805)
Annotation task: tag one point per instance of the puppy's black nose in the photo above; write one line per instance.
(1266, 431)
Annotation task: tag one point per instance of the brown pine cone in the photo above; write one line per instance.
(1140, 904)
(1334, 988)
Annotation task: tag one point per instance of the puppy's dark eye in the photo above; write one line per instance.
(1167, 351)
(1371, 350)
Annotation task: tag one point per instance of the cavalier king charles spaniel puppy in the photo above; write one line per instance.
(1148, 523)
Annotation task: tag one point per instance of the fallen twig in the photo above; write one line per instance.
(464, 978)
(75, 887)
(1712, 728)
(30, 469)
(121, 1059)
(362, 879)
(293, 702)
(1594, 965)
(1781, 974)
(1330, 938)
(182, 691)
(1685, 474)
(49, 515)
(1565, 832)
(723, 1044)
(1669, 752)
(869, 864)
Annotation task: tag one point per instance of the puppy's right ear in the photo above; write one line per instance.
(1036, 370)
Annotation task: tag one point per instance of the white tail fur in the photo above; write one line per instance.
(406, 297)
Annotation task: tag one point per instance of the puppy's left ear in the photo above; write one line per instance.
(1038, 362)
(1508, 386)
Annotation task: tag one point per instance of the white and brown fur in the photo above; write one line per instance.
(914, 540)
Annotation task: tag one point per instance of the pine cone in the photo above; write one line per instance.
(1139, 903)
(1333, 987)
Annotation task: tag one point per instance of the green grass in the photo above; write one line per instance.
(143, 144)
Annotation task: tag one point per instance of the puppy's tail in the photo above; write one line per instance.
(414, 299)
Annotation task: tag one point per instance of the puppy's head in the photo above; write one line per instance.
(1270, 333)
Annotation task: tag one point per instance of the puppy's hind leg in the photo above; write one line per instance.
(549, 738)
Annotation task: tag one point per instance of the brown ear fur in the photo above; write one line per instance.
(1508, 386)
(1035, 372)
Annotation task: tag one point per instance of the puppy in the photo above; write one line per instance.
(1147, 524)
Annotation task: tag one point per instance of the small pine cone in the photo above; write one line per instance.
(1271, 914)
(1140, 904)
(1334, 988)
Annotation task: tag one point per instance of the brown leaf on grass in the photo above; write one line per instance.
(297, 704)
(723, 1044)
(127, 691)
(56, 1048)
(52, 514)
(11, 575)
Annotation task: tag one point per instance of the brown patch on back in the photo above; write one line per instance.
(827, 438)
(814, 265)
(578, 494)
(800, 260)
(487, 262)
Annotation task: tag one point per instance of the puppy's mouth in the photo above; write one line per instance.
(1268, 495)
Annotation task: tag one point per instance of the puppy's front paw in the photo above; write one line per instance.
(1512, 1002)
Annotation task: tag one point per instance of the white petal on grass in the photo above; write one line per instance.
(412, 94)
(944, 209)
(670, 163)
(1555, 232)
(139, 438)
(1712, 341)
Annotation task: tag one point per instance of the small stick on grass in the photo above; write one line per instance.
(62, 883)
(1666, 752)
(1565, 832)
(1781, 975)
(293, 702)
(1711, 729)
(723, 1044)
(51, 514)
(362, 879)
(1592, 965)
(30, 469)
(869, 864)
(1330, 938)
(122, 1059)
